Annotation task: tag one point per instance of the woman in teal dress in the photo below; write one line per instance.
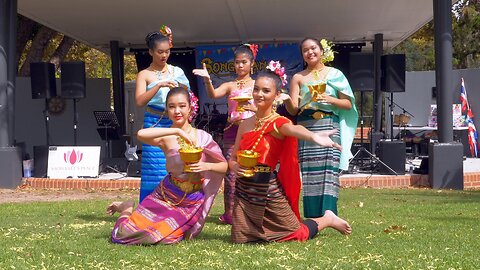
(322, 99)
(152, 86)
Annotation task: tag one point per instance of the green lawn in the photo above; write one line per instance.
(392, 229)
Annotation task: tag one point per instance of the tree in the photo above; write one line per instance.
(38, 43)
(34, 44)
(466, 33)
(419, 48)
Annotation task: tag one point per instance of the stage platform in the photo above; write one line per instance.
(471, 179)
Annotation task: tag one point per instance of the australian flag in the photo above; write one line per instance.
(472, 130)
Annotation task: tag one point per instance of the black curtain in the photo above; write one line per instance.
(181, 57)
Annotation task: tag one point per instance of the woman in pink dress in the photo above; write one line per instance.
(242, 86)
(177, 208)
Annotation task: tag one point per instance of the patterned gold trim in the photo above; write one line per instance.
(262, 169)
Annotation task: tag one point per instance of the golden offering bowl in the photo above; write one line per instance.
(240, 100)
(316, 90)
(248, 159)
(190, 156)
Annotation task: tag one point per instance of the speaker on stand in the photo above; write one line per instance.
(392, 152)
(362, 79)
(73, 82)
(43, 83)
(393, 79)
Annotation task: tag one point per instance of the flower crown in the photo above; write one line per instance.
(253, 48)
(328, 53)
(277, 68)
(166, 31)
(193, 106)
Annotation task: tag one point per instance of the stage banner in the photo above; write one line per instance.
(73, 161)
(220, 66)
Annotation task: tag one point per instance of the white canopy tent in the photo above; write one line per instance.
(230, 21)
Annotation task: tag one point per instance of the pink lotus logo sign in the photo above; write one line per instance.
(73, 157)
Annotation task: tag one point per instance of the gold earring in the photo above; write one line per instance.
(274, 106)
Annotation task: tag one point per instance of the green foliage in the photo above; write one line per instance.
(419, 48)
(466, 34)
(98, 63)
(392, 229)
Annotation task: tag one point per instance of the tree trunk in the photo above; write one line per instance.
(36, 52)
(61, 51)
(24, 32)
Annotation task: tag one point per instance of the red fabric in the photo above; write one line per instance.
(273, 150)
(299, 235)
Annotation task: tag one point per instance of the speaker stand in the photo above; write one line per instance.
(47, 124)
(75, 121)
(391, 115)
(362, 148)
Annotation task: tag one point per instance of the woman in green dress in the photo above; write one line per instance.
(322, 99)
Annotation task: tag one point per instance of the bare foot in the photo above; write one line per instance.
(337, 223)
(119, 207)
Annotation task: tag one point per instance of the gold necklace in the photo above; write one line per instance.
(316, 72)
(167, 200)
(259, 121)
(242, 83)
(183, 144)
(263, 130)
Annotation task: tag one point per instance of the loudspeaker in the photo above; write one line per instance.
(361, 75)
(40, 160)
(393, 73)
(42, 77)
(445, 165)
(375, 137)
(392, 153)
(73, 80)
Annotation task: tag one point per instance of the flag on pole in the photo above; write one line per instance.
(463, 96)
(472, 130)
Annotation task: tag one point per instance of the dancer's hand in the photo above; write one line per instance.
(323, 139)
(185, 136)
(200, 167)
(249, 107)
(282, 97)
(238, 170)
(202, 72)
(169, 84)
(324, 98)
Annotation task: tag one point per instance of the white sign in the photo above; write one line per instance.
(73, 161)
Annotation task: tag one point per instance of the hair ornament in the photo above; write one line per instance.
(166, 31)
(328, 53)
(193, 106)
(277, 68)
(253, 48)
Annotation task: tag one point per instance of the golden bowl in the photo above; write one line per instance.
(192, 155)
(247, 158)
(240, 100)
(316, 90)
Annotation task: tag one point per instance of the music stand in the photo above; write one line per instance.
(108, 131)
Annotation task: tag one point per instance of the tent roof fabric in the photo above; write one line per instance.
(230, 21)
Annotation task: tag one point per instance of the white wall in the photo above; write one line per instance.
(417, 97)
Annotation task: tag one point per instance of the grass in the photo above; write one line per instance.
(393, 229)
